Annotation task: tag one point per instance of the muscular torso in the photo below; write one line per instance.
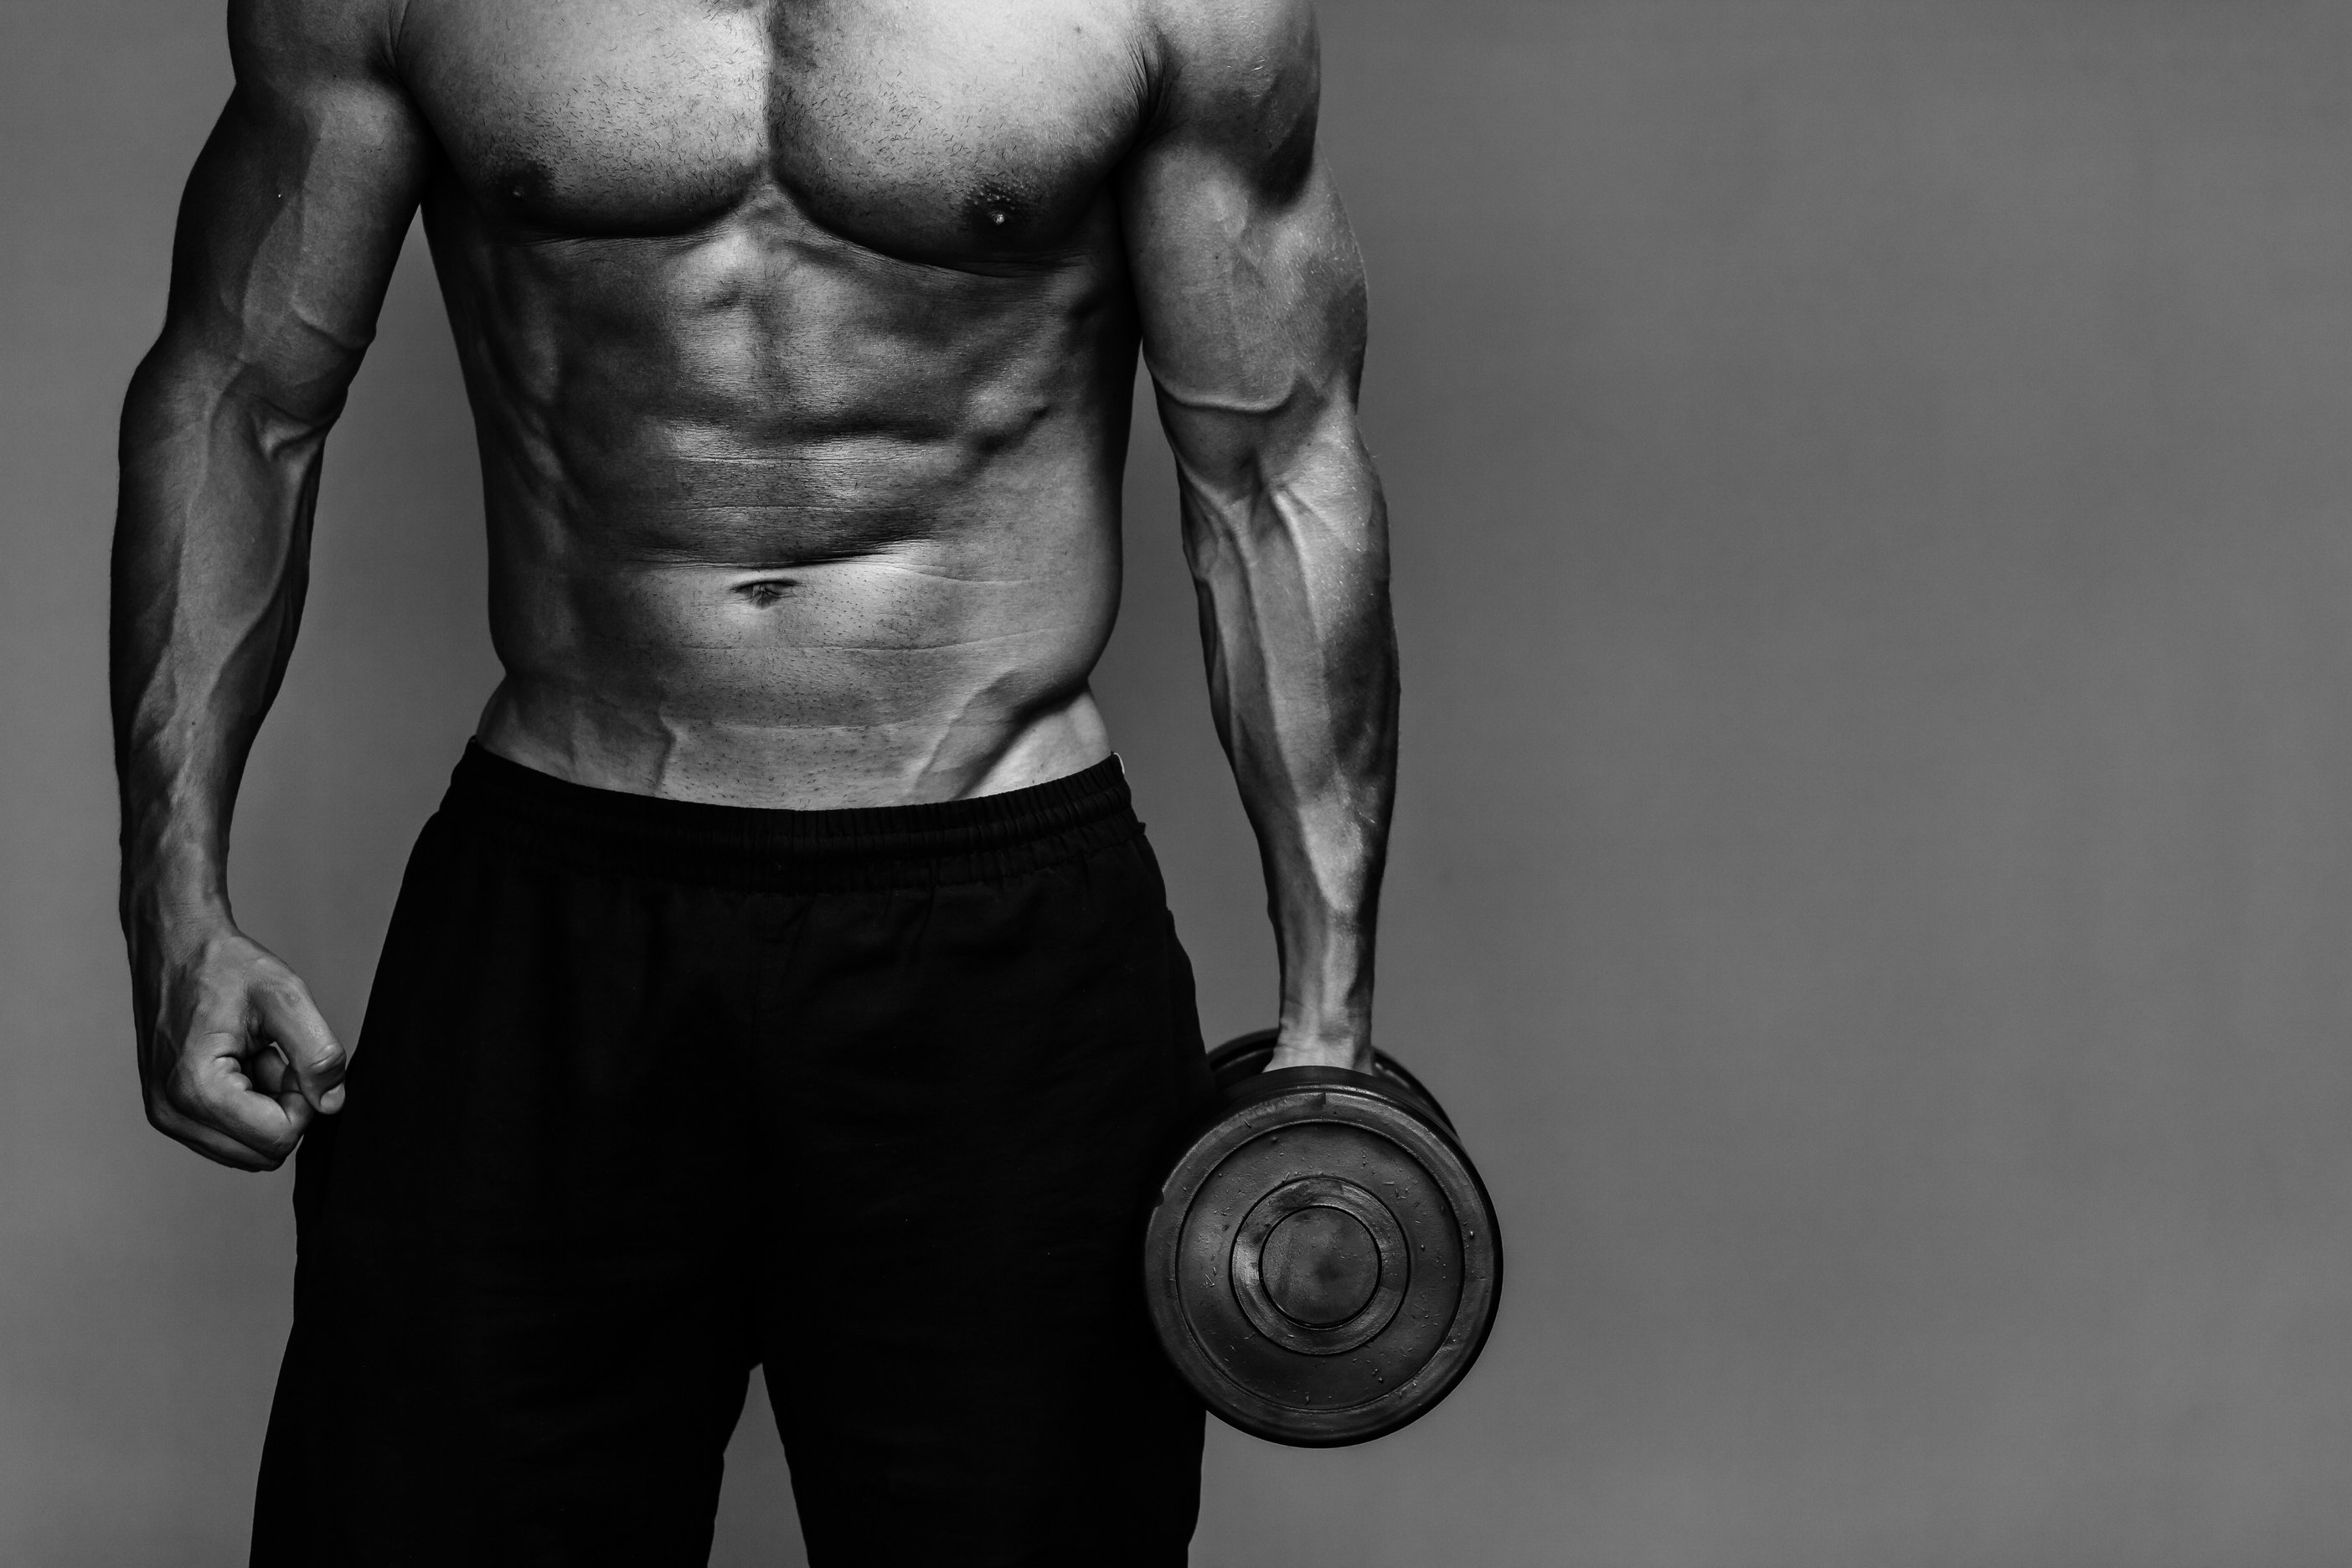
(800, 339)
(799, 334)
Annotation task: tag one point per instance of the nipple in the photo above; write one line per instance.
(993, 204)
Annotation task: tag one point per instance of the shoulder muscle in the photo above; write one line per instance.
(1242, 79)
(298, 47)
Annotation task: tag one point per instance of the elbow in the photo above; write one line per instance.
(1304, 443)
(274, 402)
(1317, 500)
(284, 415)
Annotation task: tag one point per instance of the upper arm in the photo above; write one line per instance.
(1248, 281)
(295, 213)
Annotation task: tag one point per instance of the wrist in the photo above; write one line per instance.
(174, 859)
(174, 913)
(1338, 1039)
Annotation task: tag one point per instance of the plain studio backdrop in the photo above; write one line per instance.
(1871, 882)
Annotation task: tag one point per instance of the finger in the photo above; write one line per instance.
(292, 1022)
(210, 1088)
(267, 1069)
(1319, 1056)
(166, 1115)
(214, 1146)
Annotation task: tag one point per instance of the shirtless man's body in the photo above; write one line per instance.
(799, 336)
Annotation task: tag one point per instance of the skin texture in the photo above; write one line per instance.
(799, 336)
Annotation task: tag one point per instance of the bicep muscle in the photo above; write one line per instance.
(1248, 281)
(297, 207)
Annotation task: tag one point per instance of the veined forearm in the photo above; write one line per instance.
(1292, 568)
(210, 563)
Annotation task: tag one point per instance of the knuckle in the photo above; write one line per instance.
(183, 1095)
(176, 1094)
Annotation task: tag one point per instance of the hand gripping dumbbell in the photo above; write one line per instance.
(1322, 1262)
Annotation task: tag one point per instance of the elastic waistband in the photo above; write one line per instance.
(980, 839)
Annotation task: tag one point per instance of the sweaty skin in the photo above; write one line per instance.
(799, 336)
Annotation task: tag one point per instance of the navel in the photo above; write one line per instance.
(762, 592)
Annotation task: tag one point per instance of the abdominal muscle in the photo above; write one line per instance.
(815, 531)
(918, 672)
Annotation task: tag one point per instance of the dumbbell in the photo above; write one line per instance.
(1322, 1262)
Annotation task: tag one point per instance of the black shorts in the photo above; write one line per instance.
(650, 1093)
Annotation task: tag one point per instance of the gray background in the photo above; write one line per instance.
(1873, 875)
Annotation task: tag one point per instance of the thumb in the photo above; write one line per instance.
(294, 1024)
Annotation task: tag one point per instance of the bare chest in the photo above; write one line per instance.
(934, 130)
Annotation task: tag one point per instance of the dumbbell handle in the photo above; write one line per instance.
(1243, 1058)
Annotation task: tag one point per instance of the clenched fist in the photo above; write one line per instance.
(234, 1057)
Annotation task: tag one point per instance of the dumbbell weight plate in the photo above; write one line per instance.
(1323, 1263)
